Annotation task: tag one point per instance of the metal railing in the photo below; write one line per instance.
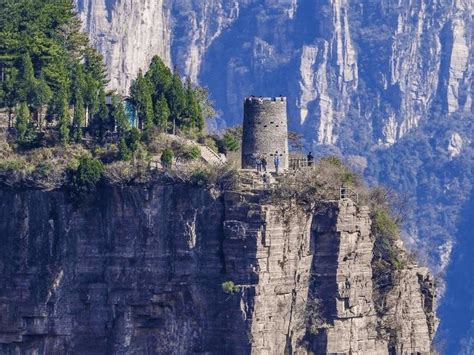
(348, 193)
(298, 163)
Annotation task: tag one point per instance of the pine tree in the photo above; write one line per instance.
(177, 101)
(78, 118)
(64, 118)
(100, 122)
(26, 79)
(162, 113)
(141, 93)
(42, 95)
(22, 122)
(160, 77)
(124, 152)
(119, 116)
(193, 109)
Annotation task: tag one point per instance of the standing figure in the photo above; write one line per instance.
(258, 162)
(276, 161)
(264, 164)
(310, 159)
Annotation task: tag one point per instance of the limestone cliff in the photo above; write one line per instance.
(140, 269)
(386, 82)
(389, 62)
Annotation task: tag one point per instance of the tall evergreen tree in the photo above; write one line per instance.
(176, 98)
(101, 122)
(42, 95)
(141, 91)
(79, 116)
(160, 77)
(193, 110)
(64, 118)
(27, 80)
(162, 113)
(119, 116)
(22, 122)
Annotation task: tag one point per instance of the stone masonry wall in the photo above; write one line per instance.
(265, 131)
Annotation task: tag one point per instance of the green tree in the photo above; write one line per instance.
(119, 116)
(42, 95)
(231, 143)
(64, 119)
(193, 110)
(205, 103)
(44, 36)
(88, 174)
(134, 139)
(79, 116)
(160, 77)
(124, 151)
(10, 96)
(167, 158)
(141, 91)
(26, 78)
(22, 122)
(162, 113)
(100, 120)
(176, 98)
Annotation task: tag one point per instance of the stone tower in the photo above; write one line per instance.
(265, 131)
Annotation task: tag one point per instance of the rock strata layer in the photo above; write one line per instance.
(140, 270)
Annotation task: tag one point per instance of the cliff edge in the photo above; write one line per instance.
(141, 269)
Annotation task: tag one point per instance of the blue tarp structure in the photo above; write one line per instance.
(131, 111)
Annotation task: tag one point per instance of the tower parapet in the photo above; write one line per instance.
(265, 131)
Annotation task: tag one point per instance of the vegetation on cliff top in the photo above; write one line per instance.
(53, 86)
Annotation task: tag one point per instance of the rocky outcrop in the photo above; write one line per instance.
(140, 270)
(128, 33)
(386, 64)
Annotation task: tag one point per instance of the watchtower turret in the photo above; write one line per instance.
(265, 131)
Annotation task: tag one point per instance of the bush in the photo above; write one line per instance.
(88, 174)
(311, 187)
(167, 158)
(12, 165)
(124, 152)
(230, 287)
(383, 224)
(221, 177)
(189, 152)
(231, 142)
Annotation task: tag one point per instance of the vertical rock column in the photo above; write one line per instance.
(274, 249)
(342, 280)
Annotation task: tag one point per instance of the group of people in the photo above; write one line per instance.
(261, 163)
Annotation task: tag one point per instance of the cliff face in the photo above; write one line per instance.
(140, 269)
(389, 62)
(387, 83)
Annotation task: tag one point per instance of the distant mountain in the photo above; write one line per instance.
(386, 83)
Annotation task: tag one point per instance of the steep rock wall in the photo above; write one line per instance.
(388, 62)
(140, 269)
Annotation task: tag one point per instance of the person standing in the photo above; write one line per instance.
(276, 161)
(258, 162)
(264, 164)
(310, 159)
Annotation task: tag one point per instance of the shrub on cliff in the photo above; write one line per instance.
(189, 152)
(167, 158)
(14, 170)
(221, 177)
(230, 287)
(312, 186)
(88, 174)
